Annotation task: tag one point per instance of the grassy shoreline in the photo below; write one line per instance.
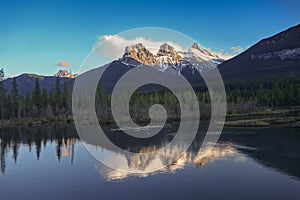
(265, 118)
(34, 121)
(262, 118)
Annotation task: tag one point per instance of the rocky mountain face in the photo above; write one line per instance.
(141, 54)
(200, 54)
(167, 57)
(274, 57)
(204, 51)
(65, 73)
(167, 54)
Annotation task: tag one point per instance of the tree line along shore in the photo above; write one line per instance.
(253, 103)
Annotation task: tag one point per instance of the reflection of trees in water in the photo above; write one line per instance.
(273, 148)
(64, 138)
(12, 138)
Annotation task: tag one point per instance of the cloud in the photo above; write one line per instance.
(63, 64)
(236, 49)
(229, 54)
(113, 46)
(224, 55)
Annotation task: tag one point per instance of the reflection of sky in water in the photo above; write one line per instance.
(52, 163)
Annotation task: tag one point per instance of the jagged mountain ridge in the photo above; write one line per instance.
(140, 53)
(167, 57)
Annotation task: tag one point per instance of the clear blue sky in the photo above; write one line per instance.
(35, 35)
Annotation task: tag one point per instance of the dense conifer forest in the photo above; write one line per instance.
(56, 103)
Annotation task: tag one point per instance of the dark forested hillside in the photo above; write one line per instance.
(274, 57)
(26, 82)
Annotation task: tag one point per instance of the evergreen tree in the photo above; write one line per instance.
(65, 96)
(57, 96)
(290, 96)
(101, 101)
(2, 74)
(45, 98)
(37, 95)
(9, 106)
(2, 100)
(14, 98)
(260, 93)
(28, 104)
(52, 98)
(278, 96)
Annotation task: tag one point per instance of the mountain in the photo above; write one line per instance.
(113, 71)
(167, 54)
(167, 64)
(26, 82)
(65, 73)
(141, 54)
(274, 57)
(167, 57)
(201, 54)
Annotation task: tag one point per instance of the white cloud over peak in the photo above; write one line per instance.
(113, 46)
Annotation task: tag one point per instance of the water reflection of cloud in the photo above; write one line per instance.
(138, 165)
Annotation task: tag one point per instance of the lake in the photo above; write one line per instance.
(51, 162)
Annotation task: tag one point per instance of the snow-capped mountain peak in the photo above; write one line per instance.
(203, 51)
(167, 56)
(200, 54)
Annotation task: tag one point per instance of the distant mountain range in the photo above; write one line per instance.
(274, 57)
(26, 82)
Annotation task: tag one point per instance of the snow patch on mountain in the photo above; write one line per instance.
(283, 55)
(166, 57)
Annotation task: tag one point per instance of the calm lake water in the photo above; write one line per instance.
(50, 162)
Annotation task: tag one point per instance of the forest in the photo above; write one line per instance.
(36, 104)
(56, 104)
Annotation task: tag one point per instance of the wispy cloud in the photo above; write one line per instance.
(113, 46)
(233, 51)
(236, 49)
(63, 64)
(225, 55)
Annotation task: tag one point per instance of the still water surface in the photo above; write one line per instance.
(50, 162)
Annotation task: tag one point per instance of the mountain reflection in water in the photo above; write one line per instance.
(276, 149)
(220, 151)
